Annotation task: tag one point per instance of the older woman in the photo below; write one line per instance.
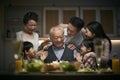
(27, 34)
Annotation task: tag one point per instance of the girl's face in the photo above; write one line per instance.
(31, 52)
(88, 33)
(83, 49)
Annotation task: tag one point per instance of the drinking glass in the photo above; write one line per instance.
(98, 47)
(18, 65)
(116, 64)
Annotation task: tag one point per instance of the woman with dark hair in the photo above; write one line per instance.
(28, 33)
(95, 30)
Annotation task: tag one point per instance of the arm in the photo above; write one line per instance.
(106, 51)
(42, 54)
(44, 45)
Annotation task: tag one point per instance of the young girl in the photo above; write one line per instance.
(88, 57)
(29, 53)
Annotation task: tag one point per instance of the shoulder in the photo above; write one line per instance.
(35, 34)
(93, 54)
(19, 32)
(106, 41)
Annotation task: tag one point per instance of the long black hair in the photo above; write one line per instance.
(97, 29)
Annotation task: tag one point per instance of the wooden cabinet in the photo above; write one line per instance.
(104, 15)
(53, 16)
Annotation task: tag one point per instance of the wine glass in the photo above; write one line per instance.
(98, 47)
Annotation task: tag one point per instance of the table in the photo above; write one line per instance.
(60, 76)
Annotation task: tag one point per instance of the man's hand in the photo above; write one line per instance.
(71, 46)
(46, 44)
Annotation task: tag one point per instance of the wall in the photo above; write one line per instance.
(63, 2)
(14, 16)
(115, 48)
(1, 37)
(118, 21)
(15, 9)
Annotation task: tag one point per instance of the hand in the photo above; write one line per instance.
(46, 42)
(78, 57)
(46, 47)
(43, 54)
(71, 46)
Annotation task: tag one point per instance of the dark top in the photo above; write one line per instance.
(68, 55)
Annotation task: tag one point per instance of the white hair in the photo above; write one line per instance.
(55, 28)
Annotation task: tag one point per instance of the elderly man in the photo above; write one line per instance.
(74, 33)
(58, 50)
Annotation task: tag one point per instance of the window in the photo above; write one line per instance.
(53, 16)
(102, 14)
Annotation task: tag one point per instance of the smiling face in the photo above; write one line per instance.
(84, 49)
(71, 30)
(30, 26)
(30, 52)
(88, 33)
(57, 37)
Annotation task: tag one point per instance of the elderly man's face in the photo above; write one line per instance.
(57, 38)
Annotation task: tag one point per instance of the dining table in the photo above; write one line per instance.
(59, 76)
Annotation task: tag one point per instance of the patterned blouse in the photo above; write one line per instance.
(89, 60)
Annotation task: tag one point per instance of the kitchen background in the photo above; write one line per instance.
(60, 11)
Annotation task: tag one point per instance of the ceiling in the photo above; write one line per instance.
(62, 2)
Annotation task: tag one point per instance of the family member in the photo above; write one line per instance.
(58, 51)
(28, 33)
(30, 54)
(73, 33)
(88, 56)
(95, 30)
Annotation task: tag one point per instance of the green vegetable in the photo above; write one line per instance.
(87, 69)
(34, 66)
(68, 67)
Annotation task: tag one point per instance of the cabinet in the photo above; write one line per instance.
(53, 16)
(104, 15)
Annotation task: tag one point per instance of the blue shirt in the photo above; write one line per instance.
(59, 51)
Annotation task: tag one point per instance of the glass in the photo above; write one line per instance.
(98, 47)
(18, 62)
(19, 65)
(115, 64)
